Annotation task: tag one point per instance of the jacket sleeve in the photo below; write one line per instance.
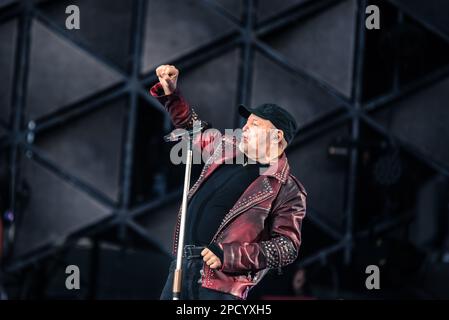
(282, 247)
(183, 117)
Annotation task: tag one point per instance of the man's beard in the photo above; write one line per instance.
(242, 146)
(245, 149)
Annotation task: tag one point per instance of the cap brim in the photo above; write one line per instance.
(244, 111)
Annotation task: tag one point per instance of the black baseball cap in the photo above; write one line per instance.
(278, 116)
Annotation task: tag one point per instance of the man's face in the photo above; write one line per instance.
(259, 138)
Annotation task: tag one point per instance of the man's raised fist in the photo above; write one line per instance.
(168, 76)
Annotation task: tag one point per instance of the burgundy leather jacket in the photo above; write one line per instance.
(263, 228)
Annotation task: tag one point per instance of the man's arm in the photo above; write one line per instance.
(177, 107)
(182, 115)
(283, 246)
(166, 91)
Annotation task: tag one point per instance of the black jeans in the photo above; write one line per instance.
(191, 288)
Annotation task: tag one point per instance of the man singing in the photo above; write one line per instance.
(243, 217)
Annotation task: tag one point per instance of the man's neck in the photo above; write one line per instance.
(263, 160)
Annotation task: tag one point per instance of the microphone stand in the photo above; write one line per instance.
(189, 136)
(177, 280)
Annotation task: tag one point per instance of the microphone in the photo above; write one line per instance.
(179, 133)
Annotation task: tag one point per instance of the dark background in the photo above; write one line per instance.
(85, 177)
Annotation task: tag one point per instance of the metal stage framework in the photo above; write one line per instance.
(246, 35)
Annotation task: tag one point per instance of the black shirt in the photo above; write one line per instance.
(215, 197)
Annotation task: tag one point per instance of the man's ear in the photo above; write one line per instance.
(274, 136)
(279, 135)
